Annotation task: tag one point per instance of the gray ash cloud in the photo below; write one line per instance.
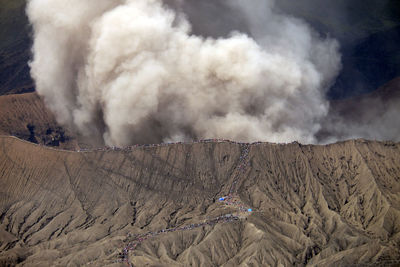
(148, 71)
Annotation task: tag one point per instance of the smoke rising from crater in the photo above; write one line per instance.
(150, 71)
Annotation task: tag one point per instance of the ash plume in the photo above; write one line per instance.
(148, 71)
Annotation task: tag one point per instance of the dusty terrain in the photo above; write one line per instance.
(25, 116)
(160, 205)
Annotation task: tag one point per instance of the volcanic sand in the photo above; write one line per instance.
(327, 205)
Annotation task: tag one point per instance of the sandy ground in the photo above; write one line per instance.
(160, 205)
(25, 116)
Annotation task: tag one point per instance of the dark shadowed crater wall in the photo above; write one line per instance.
(15, 43)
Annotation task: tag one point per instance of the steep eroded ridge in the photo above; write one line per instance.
(311, 205)
(231, 199)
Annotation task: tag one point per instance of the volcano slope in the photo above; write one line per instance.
(26, 116)
(159, 205)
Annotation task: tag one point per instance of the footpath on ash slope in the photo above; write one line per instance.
(211, 203)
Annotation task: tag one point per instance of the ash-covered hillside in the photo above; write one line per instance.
(214, 203)
(25, 116)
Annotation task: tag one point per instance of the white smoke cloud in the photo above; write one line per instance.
(132, 71)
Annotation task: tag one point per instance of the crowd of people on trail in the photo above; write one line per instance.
(241, 168)
(231, 200)
(137, 239)
(128, 148)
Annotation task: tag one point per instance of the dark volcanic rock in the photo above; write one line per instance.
(25, 116)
